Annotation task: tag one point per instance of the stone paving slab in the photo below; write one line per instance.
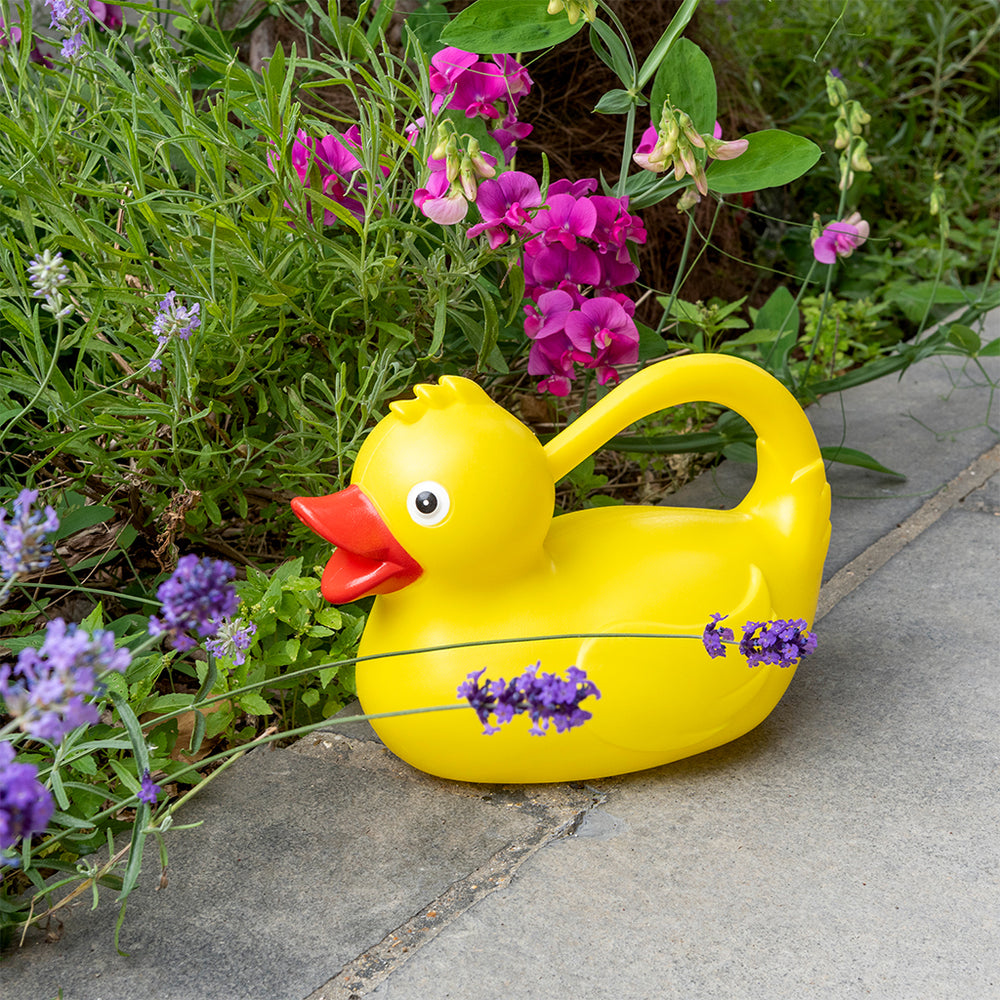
(307, 858)
(845, 848)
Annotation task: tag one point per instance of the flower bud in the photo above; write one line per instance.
(843, 134)
(688, 200)
(690, 132)
(440, 150)
(859, 158)
(836, 91)
(453, 161)
(479, 164)
(467, 173)
(719, 149)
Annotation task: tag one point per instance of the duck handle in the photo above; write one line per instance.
(786, 445)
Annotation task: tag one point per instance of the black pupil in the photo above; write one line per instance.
(426, 502)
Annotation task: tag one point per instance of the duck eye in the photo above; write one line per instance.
(428, 503)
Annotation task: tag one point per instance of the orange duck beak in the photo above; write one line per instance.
(367, 560)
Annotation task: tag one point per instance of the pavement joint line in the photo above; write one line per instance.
(363, 974)
(848, 578)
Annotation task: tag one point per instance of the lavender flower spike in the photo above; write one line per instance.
(713, 637)
(175, 319)
(49, 275)
(23, 545)
(25, 804)
(781, 642)
(546, 698)
(232, 639)
(195, 597)
(148, 789)
(47, 689)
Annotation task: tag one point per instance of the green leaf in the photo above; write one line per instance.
(78, 518)
(965, 338)
(614, 102)
(687, 78)
(666, 41)
(778, 313)
(610, 50)
(253, 704)
(197, 732)
(773, 158)
(991, 350)
(427, 22)
(915, 299)
(851, 456)
(507, 26)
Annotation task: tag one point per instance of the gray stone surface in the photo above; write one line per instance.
(307, 858)
(845, 848)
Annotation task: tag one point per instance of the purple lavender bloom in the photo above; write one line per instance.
(546, 698)
(781, 642)
(232, 639)
(480, 697)
(194, 598)
(67, 14)
(175, 319)
(148, 790)
(23, 547)
(47, 689)
(74, 47)
(25, 803)
(713, 637)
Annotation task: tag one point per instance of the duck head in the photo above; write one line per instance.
(447, 486)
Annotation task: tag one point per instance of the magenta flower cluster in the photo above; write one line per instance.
(194, 598)
(575, 254)
(782, 642)
(489, 89)
(546, 698)
(49, 689)
(478, 88)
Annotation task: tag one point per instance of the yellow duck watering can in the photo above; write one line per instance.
(449, 520)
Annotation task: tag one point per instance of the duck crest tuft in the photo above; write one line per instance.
(452, 390)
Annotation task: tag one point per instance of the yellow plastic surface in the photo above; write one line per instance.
(498, 564)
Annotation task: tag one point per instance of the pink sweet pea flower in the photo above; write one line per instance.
(504, 204)
(478, 90)
(548, 315)
(107, 15)
(518, 81)
(5, 38)
(549, 265)
(440, 200)
(578, 189)
(565, 220)
(507, 134)
(840, 239)
(603, 327)
(446, 67)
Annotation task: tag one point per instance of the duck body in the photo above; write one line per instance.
(496, 565)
